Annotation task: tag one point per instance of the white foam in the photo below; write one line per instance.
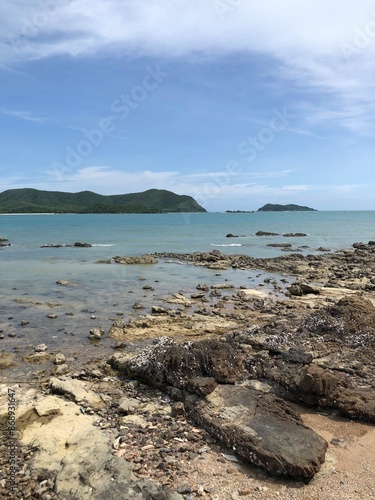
(226, 245)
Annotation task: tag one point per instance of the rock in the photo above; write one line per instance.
(294, 235)
(148, 287)
(96, 333)
(138, 305)
(82, 245)
(59, 359)
(12, 334)
(280, 245)
(76, 391)
(222, 286)
(299, 289)
(261, 429)
(178, 298)
(141, 259)
(7, 361)
(77, 454)
(167, 363)
(52, 316)
(24, 322)
(323, 249)
(38, 357)
(40, 348)
(297, 356)
(352, 319)
(159, 310)
(295, 290)
(62, 369)
(306, 289)
(63, 282)
(316, 380)
(265, 233)
(203, 287)
(230, 235)
(128, 406)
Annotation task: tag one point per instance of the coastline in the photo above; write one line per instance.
(266, 326)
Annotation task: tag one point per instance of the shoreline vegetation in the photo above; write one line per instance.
(221, 393)
(33, 201)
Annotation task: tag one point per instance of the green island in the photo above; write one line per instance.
(270, 207)
(29, 200)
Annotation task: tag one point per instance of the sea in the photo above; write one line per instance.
(102, 293)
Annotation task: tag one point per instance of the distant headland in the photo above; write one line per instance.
(270, 207)
(33, 201)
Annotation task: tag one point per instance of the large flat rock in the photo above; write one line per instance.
(261, 429)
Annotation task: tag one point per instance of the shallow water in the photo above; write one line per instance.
(28, 273)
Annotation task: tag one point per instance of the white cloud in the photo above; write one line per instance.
(326, 47)
(25, 115)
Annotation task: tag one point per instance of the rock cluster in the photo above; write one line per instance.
(258, 426)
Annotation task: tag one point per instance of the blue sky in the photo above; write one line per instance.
(234, 102)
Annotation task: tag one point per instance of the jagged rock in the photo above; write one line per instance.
(63, 282)
(203, 287)
(96, 334)
(169, 364)
(352, 319)
(261, 429)
(141, 259)
(230, 235)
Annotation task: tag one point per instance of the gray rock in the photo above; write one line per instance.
(40, 348)
(261, 429)
(128, 406)
(96, 334)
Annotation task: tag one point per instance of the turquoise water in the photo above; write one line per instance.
(28, 273)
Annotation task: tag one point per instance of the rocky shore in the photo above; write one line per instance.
(224, 394)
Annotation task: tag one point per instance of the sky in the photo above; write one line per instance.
(237, 103)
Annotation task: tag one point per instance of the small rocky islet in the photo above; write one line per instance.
(217, 378)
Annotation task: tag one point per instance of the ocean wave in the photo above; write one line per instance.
(226, 245)
(103, 244)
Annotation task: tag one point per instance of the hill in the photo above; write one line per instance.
(29, 200)
(269, 207)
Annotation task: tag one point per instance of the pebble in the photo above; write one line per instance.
(24, 322)
(52, 316)
(12, 334)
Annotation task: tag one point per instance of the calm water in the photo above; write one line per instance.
(28, 273)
